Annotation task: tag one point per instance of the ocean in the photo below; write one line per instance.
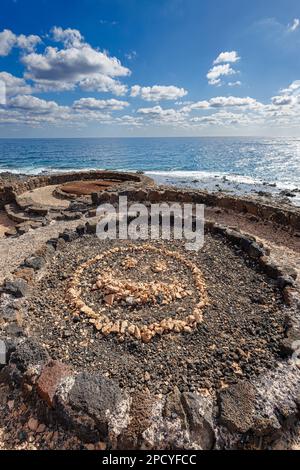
(239, 165)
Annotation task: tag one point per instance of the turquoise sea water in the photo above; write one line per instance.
(233, 164)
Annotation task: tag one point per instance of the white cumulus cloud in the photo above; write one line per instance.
(215, 73)
(8, 40)
(223, 102)
(69, 37)
(293, 88)
(33, 104)
(76, 64)
(158, 92)
(160, 114)
(14, 85)
(93, 104)
(232, 101)
(103, 83)
(283, 100)
(230, 57)
(233, 84)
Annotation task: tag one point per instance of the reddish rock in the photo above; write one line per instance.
(25, 273)
(33, 424)
(51, 377)
(41, 428)
(109, 299)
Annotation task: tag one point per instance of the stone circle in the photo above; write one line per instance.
(156, 391)
(114, 289)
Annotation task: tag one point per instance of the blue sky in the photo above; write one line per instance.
(149, 68)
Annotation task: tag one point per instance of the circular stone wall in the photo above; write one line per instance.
(196, 320)
(147, 345)
(86, 188)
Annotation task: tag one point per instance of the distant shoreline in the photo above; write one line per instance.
(211, 182)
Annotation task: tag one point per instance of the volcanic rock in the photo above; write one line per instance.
(237, 407)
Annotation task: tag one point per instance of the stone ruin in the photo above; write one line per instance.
(34, 201)
(107, 335)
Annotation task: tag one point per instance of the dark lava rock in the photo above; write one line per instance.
(173, 407)
(199, 422)
(16, 287)
(269, 267)
(80, 230)
(78, 207)
(220, 229)
(34, 262)
(284, 281)
(96, 396)
(287, 345)
(35, 224)
(14, 330)
(52, 242)
(91, 227)
(237, 407)
(72, 215)
(28, 354)
(8, 312)
(291, 297)
(255, 251)
(266, 426)
(290, 271)
(287, 193)
(68, 235)
(92, 212)
(22, 228)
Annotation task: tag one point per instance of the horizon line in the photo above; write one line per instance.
(159, 137)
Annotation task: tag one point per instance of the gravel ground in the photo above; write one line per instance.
(14, 250)
(20, 428)
(174, 273)
(15, 416)
(238, 338)
(284, 246)
(44, 196)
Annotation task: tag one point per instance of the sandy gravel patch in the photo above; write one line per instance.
(44, 196)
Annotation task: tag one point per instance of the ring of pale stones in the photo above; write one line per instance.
(124, 327)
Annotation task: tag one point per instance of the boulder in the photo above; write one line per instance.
(34, 262)
(290, 343)
(255, 251)
(51, 377)
(199, 418)
(11, 232)
(27, 355)
(17, 287)
(95, 396)
(237, 407)
(69, 235)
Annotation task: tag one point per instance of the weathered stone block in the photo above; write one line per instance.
(91, 227)
(237, 407)
(17, 287)
(28, 354)
(199, 419)
(34, 262)
(50, 379)
(97, 397)
(255, 251)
